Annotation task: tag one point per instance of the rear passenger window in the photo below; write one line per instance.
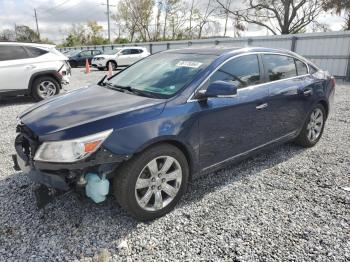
(134, 51)
(313, 69)
(279, 67)
(242, 71)
(35, 52)
(301, 68)
(12, 53)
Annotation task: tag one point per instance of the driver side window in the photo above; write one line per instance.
(241, 71)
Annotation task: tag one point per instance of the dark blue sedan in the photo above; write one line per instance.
(145, 132)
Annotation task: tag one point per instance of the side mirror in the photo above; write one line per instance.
(217, 89)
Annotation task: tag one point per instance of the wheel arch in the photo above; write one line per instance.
(50, 73)
(325, 104)
(111, 61)
(180, 145)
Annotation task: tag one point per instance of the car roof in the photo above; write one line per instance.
(132, 47)
(225, 50)
(27, 44)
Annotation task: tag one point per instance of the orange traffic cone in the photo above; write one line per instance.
(110, 70)
(87, 67)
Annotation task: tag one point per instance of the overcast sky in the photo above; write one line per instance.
(55, 16)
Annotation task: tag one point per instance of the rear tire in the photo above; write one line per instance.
(45, 87)
(150, 184)
(313, 128)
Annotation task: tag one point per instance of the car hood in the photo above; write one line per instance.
(81, 106)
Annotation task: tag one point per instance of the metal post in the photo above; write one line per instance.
(250, 41)
(347, 77)
(36, 21)
(109, 26)
(294, 44)
(167, 45)
(151, 48)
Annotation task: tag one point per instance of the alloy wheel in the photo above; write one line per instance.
(158, 183)
(315, 125)
(46, 89)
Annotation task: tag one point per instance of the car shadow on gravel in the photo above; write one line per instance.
(81, 227)
(240, 171)
(15, 100)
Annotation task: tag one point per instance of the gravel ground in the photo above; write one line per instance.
(286, 204)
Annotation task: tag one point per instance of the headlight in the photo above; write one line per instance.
(68, 151)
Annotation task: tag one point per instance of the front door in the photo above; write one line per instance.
(230, 126)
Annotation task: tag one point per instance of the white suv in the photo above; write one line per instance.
(119, 57)
(32, 69)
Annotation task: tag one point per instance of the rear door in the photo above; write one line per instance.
(83, 56)
(230, 126)
(136, 54)
(125, 57)
(15, 68)
(287, 102)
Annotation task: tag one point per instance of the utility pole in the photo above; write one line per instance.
(108, 22)
(36, 21)
(15, 32)
(109, 26)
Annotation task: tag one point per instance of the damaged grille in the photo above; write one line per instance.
(26, 143)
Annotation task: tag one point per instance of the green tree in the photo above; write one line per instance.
(94, 35)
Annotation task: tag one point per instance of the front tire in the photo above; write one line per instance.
(114, 65)
(313, 128)
(149, 185)
(45, 87)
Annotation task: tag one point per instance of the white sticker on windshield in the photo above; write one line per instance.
(192, 64)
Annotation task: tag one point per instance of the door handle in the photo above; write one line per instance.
(29, 67)
(307, 92)
(262, 106)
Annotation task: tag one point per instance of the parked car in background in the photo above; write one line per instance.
(78, 57)
(32, 69)
(119, 57)
(149, 129)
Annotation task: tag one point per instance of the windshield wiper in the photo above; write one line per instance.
(129, 89)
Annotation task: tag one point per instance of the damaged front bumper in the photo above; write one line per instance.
(62, 176)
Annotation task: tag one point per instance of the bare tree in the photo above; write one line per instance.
(178, 20)
(135, 16)
(125, 18)
(170, 7)
(205, 17)
(278, 16)
(159, 5)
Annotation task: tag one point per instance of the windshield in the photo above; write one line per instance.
(111, 52)
(163, 74)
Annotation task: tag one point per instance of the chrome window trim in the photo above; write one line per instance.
(190, 99)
